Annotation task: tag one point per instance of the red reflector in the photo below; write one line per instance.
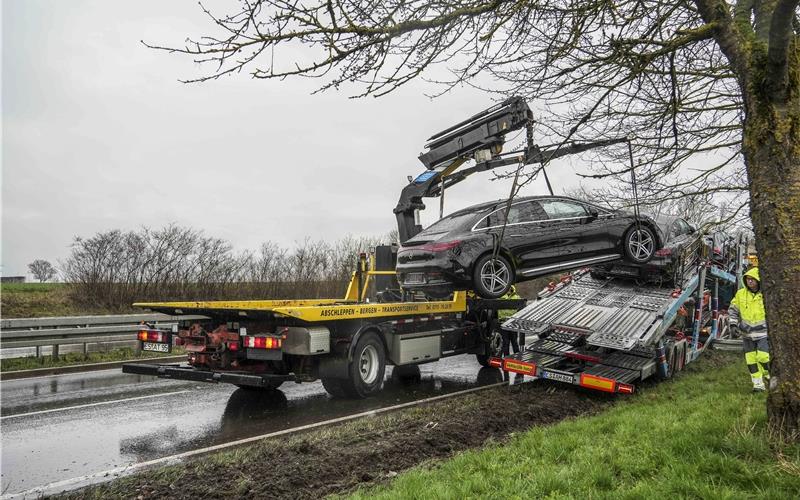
(664, 252)
(599, 383)
(233, 346)
(179, 341)
(495, 362)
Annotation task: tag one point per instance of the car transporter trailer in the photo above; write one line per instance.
(609, 333)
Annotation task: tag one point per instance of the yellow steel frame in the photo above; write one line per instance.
(319, 310)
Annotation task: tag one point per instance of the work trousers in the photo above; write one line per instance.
(509, 340)
(756, 355)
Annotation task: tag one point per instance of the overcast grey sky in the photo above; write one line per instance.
(98, 134)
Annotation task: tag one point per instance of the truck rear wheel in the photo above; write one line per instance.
(334, 387)
(494, 349)
(367, 368)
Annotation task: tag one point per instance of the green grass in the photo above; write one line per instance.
(37, 300)
(34, 300)
(77, 358)
(699, 436)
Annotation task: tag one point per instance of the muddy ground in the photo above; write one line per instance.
(341, 458)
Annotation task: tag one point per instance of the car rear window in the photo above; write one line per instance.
(449, 223)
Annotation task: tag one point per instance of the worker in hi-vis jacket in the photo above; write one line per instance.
(747, 313)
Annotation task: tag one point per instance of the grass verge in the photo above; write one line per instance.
(77, 358)
(37, 300)
(699, 436)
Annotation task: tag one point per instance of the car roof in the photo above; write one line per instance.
(491, 204)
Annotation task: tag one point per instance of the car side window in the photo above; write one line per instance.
(685, 227)
(674, 230)
(562, 209)
(519, 213)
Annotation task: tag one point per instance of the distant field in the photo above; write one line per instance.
(36, 300)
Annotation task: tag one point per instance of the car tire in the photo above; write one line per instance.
(639, 244)
(367, 368)
(492, 278)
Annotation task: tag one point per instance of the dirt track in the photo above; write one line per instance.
(339, 459)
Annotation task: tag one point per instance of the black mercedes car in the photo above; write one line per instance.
(673, 262)
(543, 235)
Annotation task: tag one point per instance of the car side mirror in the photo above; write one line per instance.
(593, 214)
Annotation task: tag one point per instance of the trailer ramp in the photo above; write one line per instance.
(603, 334)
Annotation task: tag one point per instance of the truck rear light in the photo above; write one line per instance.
(625, 388)
(663, 252)
(153, 336)
(262, 342)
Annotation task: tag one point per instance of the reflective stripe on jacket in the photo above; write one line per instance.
(747, 312)
(503, 314)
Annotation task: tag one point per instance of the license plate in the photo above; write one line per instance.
(559, 377)
(415, 278)
(156, 347)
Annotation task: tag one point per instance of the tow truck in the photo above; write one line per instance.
(347, 342)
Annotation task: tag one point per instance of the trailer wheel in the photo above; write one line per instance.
(680, 356)
(494, 349)
(367, 368)
(672, 357)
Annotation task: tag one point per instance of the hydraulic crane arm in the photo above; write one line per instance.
(480, 137)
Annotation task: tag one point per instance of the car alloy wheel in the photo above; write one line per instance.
(640, 244)
(495, 276)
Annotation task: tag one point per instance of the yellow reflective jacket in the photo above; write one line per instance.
(747, 310)
(503, 314)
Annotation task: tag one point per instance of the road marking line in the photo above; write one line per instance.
(108, 475)
(88, 405)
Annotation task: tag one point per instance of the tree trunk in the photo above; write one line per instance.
(772, 154)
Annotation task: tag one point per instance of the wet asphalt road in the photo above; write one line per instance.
(66, 426)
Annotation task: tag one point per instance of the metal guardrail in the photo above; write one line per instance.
(75, 330)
